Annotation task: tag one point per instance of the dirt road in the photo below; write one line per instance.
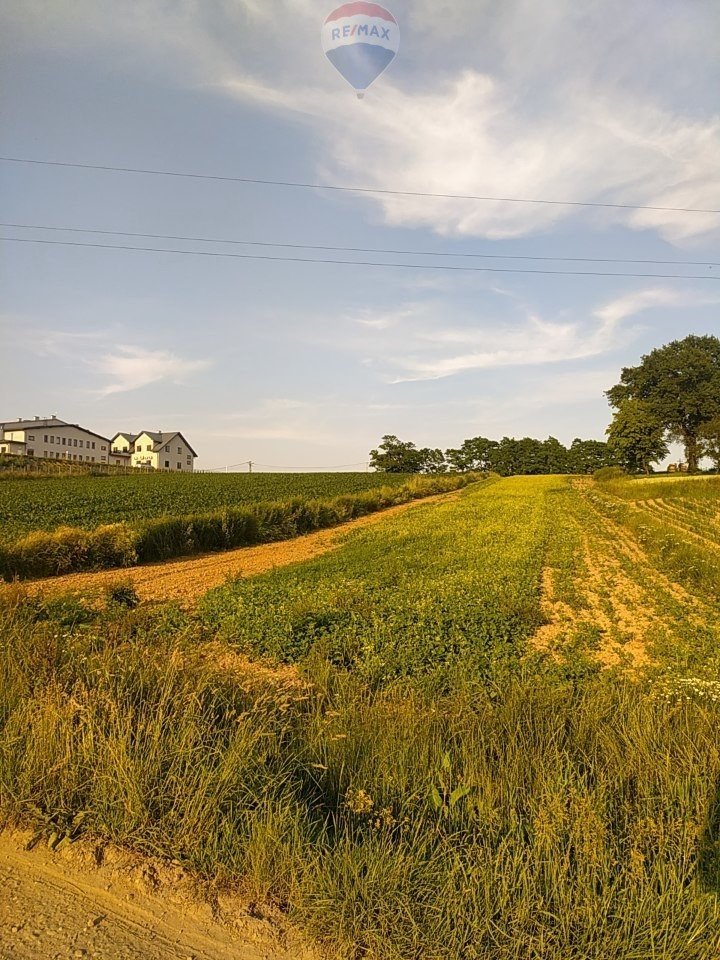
(186, 580)
(62, 906)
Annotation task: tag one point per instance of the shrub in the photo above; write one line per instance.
(67, 549)
(610, 473)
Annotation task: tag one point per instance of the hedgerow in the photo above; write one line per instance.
(71, 549)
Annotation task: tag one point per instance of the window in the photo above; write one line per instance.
(81, 443)
(149, 447)
(52, 439)
(30, 453)
(189, 459)
(103, 458)
(93, 443)
(179, 466)
(179, 449)
(45, 454)
(167, 448)
(31, 436)
(167, 464)
(45, 438)
(103, 448)
(75, 441)
(93, 459)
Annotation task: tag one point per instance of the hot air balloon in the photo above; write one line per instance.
(361, 40)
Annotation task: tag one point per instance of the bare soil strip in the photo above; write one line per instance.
(187, 580)
(625, 598)
(90, 900)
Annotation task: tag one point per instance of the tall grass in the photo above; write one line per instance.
(542, 819)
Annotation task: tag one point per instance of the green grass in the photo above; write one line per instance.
(48, 502)
(414, 783)
(456, 583)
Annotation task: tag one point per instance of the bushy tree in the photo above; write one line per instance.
(474, 454)
(396, 456)
(636, 436)
(679, 385)
(587, 456)
(432, 461)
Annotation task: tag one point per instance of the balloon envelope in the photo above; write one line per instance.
(361, 40)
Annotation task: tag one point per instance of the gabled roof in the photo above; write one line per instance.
(51, 422)
(164, 438)
(130, 437)
(159, 439)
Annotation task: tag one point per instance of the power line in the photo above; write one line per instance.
(356, 263)
(337, 249)
(275, 466)
(345, 189)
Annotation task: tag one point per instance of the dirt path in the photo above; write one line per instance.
(186, 580)
(61, 906)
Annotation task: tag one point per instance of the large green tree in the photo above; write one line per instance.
(587, 456)
(396, 456)
(679, 384)
(474, 454)
(636, 436)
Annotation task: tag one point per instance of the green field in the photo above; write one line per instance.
(45, 503)
(486, 729)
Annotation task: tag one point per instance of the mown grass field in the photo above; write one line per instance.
(48, 502)
(488, 728)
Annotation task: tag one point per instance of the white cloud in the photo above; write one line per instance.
(560, 101)
(533, 343)
(382, 320)
(129, 368)
(639, 300)
(472, 137)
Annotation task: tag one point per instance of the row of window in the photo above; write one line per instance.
(70, 442)
(56, 455)
(138, 448)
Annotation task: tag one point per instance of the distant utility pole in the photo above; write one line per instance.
(249, 466)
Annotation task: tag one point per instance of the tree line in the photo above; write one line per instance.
(506, 457)
(673, 395)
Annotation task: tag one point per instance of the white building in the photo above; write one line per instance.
(53, 439)
(159, 450)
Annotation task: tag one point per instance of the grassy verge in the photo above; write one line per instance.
(70, 549)
(543, 818)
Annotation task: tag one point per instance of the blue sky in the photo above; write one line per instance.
(305, 365)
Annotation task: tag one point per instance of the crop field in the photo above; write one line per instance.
(481, 729)
(47, 502)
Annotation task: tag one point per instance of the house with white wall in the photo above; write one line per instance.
(158, 450)
(53, 439)
(50, 438)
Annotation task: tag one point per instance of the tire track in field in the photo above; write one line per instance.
(622, 594)
(676, 518)
(188, 579)
(696, 609)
